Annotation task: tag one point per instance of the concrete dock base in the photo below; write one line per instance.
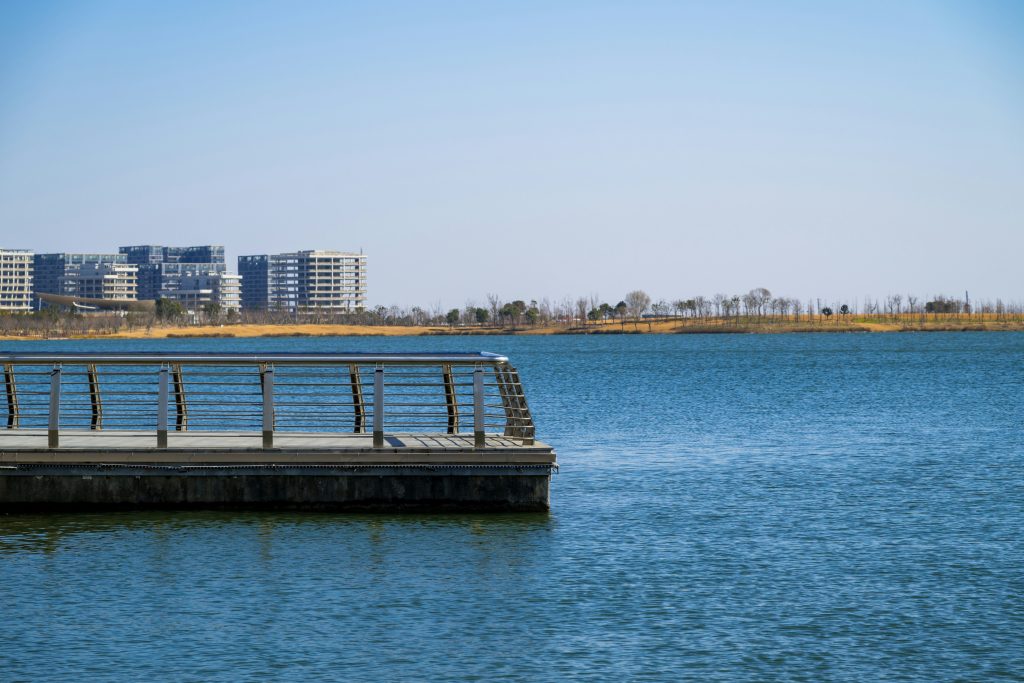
(95, 470)
(39, 487)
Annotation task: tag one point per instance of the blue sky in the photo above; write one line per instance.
(544, 149)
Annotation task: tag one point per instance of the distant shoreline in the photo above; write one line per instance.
(664, 326)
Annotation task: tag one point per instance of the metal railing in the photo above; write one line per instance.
(421, 393)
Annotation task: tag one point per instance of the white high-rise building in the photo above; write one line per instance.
(305, 281)
(16, 280)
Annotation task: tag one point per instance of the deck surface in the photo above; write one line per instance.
(30, 446)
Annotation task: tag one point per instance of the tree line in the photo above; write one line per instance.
(758, 306)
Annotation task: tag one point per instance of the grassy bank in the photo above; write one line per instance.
(916, 323)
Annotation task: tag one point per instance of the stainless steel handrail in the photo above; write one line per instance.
(145, 358)
(422, 393)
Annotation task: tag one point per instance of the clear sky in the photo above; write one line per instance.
(531, 149)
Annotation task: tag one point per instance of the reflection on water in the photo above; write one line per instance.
(42, 533)
(798, 507)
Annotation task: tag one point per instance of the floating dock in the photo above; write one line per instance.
(277, 431)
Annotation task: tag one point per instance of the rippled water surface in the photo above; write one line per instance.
(793, 507)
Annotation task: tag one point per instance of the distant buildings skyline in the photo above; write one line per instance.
(196, 276)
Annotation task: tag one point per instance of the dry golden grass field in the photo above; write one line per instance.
(904, 323)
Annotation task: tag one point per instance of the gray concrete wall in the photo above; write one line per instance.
(49, 487)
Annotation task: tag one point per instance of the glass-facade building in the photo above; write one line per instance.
(115, 281)
(304, 281)
(255, 272)
(52, 271)
(162, 268)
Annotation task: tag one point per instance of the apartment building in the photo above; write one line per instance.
(304, 281)
(255, 273)
(195, 291)
(16, 266)
(50, 271)
(161, 268)
(332, 280)
(115, 281)
(171, 276)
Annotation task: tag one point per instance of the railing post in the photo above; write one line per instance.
(358, 407)
(479, 440)
(526, 428)
(161, 407)
(267, 380)
(53, 433)
(451, 400)
(12, 396)
(378, 407)
(180, 407)
(95, 402)
(504, 390)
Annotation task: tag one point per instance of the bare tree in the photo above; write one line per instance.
(726, 307)
(679, 305)
(750, 302)
(702, 307)
(546, 312)
(760, 297)
(494, 301)
(581, 310)
(781, 306)
(637, 302)
(719, 300)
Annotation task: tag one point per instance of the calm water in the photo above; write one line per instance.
(799, 507)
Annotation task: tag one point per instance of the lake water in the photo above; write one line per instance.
(791, 507)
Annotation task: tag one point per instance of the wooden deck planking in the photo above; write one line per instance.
(30, 446)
